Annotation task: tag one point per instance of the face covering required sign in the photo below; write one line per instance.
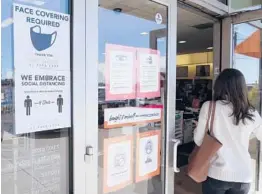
(42, 69)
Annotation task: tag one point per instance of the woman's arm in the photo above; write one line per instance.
(258, 129)
(200, 130)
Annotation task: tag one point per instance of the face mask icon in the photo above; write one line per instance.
(41, 41)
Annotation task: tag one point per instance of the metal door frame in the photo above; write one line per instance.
(78, 81)
(227, 61)
(170, 101)
(170, 90)
(212, 7)
(85, 93)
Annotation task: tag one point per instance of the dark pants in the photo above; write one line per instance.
(28, 111)
(213, 186)
(59, 108)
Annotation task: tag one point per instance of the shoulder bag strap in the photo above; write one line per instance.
(212, 118)
(208, 116)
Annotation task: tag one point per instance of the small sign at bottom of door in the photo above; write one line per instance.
(118, 163)
(148, 155)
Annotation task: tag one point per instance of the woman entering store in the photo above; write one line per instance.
(235, 120)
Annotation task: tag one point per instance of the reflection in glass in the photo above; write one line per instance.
(247, 56)
(245, 4)
(247, 59)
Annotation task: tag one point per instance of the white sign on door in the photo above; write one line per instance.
(118, 155)
(126, 116)
(42, 69)
(120, 72)
(148, 155)
(148, 74)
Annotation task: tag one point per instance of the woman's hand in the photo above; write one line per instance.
(195, 122)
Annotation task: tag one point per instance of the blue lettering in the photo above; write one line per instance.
(28, 19)
(42, 22)
(37, 12)
(24, 10)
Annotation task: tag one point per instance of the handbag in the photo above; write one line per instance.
(201, 157)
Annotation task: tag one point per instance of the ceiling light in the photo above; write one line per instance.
(144, 33)
(210, 48)
(182, 42)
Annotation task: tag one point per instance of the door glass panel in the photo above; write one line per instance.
(245, 4)
(36, 162)
(131, 73)
(247, 59)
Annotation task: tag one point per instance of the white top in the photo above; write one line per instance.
(233, 161)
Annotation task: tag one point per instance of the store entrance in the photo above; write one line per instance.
(193, 87)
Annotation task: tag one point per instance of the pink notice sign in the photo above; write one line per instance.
(148, 73)
(120, 72)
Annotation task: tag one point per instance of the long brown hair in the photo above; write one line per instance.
(230, 87)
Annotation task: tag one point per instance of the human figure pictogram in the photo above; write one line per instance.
(60, 102)
(28, 104)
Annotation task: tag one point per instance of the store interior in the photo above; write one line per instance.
(194, 86)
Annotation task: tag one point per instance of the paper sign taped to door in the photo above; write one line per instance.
(148, 73)
(148, 155)
(120, 72)
(118, 163)
(42, 69)
(126, 116)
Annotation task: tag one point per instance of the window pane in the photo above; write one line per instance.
(247, 59)
(242, 4)
(132, 66)
(35, 162)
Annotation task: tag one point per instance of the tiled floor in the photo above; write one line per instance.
(185, 185)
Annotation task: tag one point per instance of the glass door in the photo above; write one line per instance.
(131, 110)
(242, 43)
(247, 59)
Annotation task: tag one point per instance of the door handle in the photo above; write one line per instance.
(89, 153)
(89, 150)
(176, 144)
